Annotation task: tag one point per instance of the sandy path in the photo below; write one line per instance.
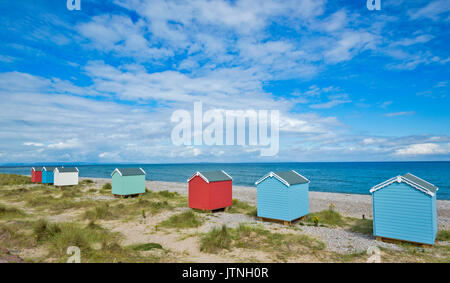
(348, 204)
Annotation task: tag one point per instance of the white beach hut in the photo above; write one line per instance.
(65, 176)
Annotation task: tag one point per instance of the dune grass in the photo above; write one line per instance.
(14, 179)
(107, 187)
(54, 204)
(328, 217)
(216, 240)
(362, 226)
(101, 211)
(146, 247)
(183, 220)
(96, 244)
(8, 212)
(12, 235)
(443, 235)
(281, 245)
(243, 208)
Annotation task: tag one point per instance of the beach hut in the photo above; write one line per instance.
(404, 208)
(36, 174)
(210, 190)
(47, 175)
(65, 176)
(282, 196)
(128, 181)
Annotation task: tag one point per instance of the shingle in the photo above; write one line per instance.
(215, 176)
(49, 169)
(420, 182)
(292, 178)
(130, 171)
(38, 169)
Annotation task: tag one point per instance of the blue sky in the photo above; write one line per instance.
(100, 84)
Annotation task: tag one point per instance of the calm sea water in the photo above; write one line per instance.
(342, 177)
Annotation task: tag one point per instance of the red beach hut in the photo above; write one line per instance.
(210, 190)
(36, 175)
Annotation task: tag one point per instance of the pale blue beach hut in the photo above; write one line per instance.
(404, 208)
(282, 196)
(47, 175)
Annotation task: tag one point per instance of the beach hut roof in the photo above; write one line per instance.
(66, 169)
(47, 168)
(411, 180)
(129, 171)
(288, 178)
(37, 168)
(212, 176)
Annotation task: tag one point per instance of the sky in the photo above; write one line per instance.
(100, 84)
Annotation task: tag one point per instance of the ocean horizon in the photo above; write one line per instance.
(335, 177)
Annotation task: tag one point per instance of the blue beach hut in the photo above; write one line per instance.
(404, 208)
(47, 175)
(282, 196)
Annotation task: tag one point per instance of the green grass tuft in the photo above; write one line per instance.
(107, 187)
(216, 240)
(282, 245)
(443, 235)
(146, 247)
(101, 211)
(363, 226)
(183, 220)
(86, 182)
(243, 208)
(7, 212)
(327, 217)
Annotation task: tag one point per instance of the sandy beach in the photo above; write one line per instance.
(351, 205)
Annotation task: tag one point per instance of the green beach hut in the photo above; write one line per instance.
(128, 181)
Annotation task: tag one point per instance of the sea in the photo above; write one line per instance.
(335, 177)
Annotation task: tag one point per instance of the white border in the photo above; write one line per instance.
(57, 170)
(118, 171)
(204, 178)
(272, 174)
(400, 179)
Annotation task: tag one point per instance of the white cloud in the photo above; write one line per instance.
(412, 41)
(121, 36)
(372, 141)
(432, 10)
(72, 143)
(404, 113)
(349, 44)
(423, 149)
(37, 144)
(335, 100)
